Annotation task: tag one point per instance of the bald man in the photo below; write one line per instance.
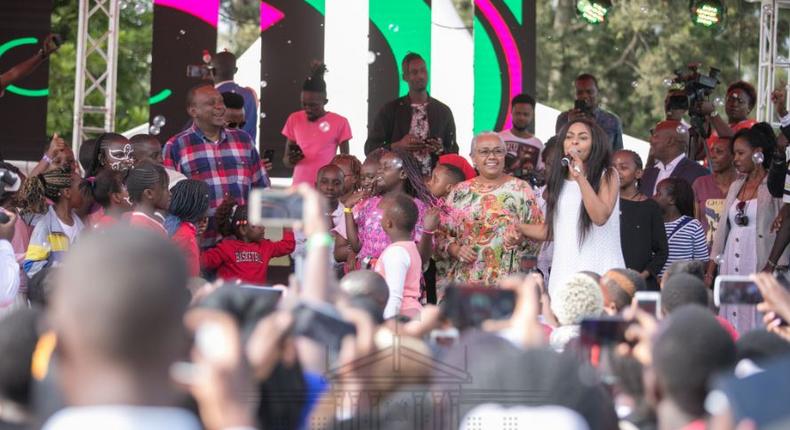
(368, 290)
(668, 143)
(119, 329)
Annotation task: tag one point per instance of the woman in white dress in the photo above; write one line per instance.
(582, 195)
(743, 240)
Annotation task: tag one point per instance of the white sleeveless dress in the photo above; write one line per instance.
(600, 251)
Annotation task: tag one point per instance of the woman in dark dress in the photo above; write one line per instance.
(642, 234)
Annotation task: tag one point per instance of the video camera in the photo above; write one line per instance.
(696, 88)
(9, 181)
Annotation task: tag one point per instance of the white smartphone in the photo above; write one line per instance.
(649, 301)
(736, 290)
(275, 208)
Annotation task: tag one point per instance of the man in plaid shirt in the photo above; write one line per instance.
(226, 159)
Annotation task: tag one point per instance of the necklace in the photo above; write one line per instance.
(634, 196)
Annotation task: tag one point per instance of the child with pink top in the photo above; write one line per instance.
(313, 134)
(400, 263)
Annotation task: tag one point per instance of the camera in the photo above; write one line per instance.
(696, 88)
(9, 181)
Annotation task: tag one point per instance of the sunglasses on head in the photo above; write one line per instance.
(741, 218)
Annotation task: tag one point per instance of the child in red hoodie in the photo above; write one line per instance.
(243, 254)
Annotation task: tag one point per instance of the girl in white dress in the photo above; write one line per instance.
(582, 205)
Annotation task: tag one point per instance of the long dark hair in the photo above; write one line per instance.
(597, 163)
(414, 184)
(681, 191)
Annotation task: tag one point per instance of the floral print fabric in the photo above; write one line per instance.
(480, 217)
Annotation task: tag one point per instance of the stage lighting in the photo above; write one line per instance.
(593, 11)
(707, 13)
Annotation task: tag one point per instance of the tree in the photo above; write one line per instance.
(638, 47)
(134, 62)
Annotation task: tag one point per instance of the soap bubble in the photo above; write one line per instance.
(394, 28)
(182, 32)
(263, 114)
(719, 259)
(634, 84)
(718, 101)
(264, 84)
(159, 121)
(668, 82)
(371, 57)
(153, 130)
(139, 8)
(324, 126)
(289, 41)
(681, 129)
(644, 9)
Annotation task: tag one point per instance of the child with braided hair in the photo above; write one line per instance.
(59, 225)
(147, 184)
(398, 172)
(188, 208)
(107, 190)
(243, 254)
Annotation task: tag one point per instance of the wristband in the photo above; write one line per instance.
(46, 159)
(347, 210)
(320, 240)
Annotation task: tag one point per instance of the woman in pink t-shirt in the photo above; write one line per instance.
(313, 134)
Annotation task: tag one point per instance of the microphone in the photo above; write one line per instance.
(566, 161)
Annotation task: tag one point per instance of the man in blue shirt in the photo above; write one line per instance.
(223, 68)
(587, 92)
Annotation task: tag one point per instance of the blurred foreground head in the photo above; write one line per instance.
(117, 312)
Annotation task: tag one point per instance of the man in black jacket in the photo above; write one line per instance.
(778, 182)
(417, 122)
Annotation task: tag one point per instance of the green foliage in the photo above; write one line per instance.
(134, 61)
(631, 54)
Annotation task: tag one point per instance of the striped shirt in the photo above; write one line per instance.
(687, 243)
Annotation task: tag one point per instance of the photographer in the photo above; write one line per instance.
(417, 122)
(740, 100)
(587, 106)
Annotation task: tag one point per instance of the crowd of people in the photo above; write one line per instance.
(136, 289)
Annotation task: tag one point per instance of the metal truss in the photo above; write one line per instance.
(97, 64)
(770, 60)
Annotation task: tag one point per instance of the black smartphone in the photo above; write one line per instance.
(199, 71)
(603, 331)
(321, 324)
(581, 105)
(468, 306)
(268, 154)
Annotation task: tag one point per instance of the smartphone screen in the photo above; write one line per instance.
(603, 331)
(321, 325)
(734, 290)
(272, 208)
(469, 306)
(649, 301)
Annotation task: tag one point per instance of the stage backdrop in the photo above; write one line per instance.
(23, 25)
(476, 64)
